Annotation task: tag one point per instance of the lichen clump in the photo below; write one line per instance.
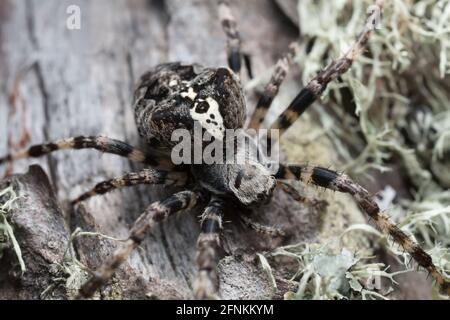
(70, 273)
(390, 112)
(7, 238)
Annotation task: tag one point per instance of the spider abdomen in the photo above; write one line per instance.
(175, 96)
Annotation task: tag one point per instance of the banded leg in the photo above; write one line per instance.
(103, 144)
(146, 176)
(229, 26)
(248, 65)
(339, 182)
(271, 89)
(294, 194)
(260, 228)
(156, 212)
(206, 284)
(319, 83)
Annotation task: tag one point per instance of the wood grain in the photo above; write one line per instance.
(60, 83)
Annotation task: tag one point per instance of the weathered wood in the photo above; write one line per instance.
(59, 83)
(42, 233)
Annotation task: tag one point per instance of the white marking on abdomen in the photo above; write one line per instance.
(211, 120)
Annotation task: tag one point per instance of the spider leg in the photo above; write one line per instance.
(339, 182)
(294, 194)
(206, 284)
(229, 26)
(271, 89)
(319, 83)
(146, 176)
(260, 228)
(103, 144)
(248, 65)
(156, 212)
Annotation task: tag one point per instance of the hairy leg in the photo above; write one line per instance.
(271, 89)
(206, 284)
(339, 182)
(146, 176)
(319, 83)
(229, 26)
(155, 213)
(294, 194)
(103, 144)
(260, 228)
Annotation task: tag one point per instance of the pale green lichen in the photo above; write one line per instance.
(7, 238)
(71, 274)
(268, 270)
(328, 271)
(401, 94)
(408, 54)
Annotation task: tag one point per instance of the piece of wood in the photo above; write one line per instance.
(59, 83)
(42, 234)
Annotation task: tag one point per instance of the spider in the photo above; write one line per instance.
(177, 96)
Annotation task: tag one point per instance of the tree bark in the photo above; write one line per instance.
(60, 83)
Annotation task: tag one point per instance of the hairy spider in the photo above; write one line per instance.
(177, 96)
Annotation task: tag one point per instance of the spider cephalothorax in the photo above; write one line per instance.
(250, 183)
(178, 96)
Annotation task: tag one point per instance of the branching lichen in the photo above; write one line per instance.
(70, 273)
(407, 67)
(329, 271)
(398, 113)
(7, 238)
